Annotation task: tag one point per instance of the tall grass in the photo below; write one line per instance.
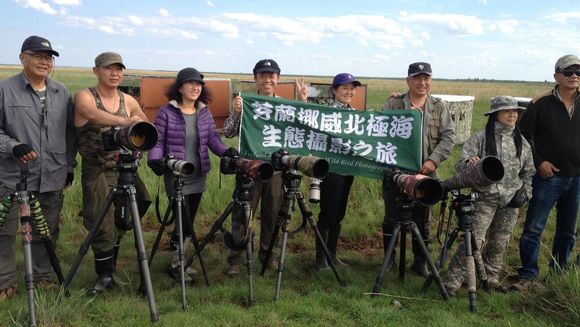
(308, 297)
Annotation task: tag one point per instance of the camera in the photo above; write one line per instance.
(314, 190)
(179, 166)
(424, 189)
(140, 136)
(308, 165)
(254, 169)
(484, 172)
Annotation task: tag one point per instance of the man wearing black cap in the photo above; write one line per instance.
(97, 109)
(438, 141)
(551, 126)
(266, 75)
(36, 131)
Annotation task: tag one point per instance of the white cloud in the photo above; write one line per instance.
(136, 20)
(163, 12)
(38, 5)
(506, 26)
(452, 23)
(568, 17)
(67, 2)
(484, 2)
(210, 3)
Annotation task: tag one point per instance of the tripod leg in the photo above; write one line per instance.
(189, 225)
(179, 224)
(249, 250)
(442, 257)
(141, 253)
(210, 235)
(161, 231)
(282, 257)
(87, 242)
(470, 264)
(26, 224)
(403, 252)
(390, 248)
(430, 264)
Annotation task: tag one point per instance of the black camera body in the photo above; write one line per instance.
(109, 143)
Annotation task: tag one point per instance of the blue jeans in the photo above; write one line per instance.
(565, 193)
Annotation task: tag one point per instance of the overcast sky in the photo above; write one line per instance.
(499, 39)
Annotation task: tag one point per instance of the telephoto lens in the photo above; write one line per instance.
(180, 166)
(314, 190)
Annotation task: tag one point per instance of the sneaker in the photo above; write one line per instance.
(492, 284)
(103, 283)
(8, 293)
(45, 284)
(522, 285)
(233, 270)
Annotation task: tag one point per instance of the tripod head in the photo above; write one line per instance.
(464, 207)
(127, 164)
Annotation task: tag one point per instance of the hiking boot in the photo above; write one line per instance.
(175, 273)
(233, 270)
(45, 284)
(103, 283)
(420, 268)
(492, 284)
(522, 285)
(8, 293)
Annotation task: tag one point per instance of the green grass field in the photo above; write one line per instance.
(308, 297)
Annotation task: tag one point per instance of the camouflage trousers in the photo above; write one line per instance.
(493, 228)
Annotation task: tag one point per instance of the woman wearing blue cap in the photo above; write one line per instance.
(496, 211)
(335, 188)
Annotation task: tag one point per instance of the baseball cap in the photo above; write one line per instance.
(566, 61)
(503, 102)
(266, 66)
(188, 75)
(37, 43)
(109, 58)
(417, 68)
(344, 78)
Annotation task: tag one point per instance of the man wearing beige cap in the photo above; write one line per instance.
(97, 109)
(552, 127)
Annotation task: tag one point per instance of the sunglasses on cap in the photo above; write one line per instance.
(569, 73)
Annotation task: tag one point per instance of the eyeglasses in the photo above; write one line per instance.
(39, 57)
(569, 73)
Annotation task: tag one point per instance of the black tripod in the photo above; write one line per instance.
(178, 205)
(463, 205)
(30, 214)
(292, 194)
(241, 201)
(405, 223)
(127, 165)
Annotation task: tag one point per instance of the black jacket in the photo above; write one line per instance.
(553, 135)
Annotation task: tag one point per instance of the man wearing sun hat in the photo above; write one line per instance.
(552, 126)
(97, 109)
(36, 132)
(438, 141)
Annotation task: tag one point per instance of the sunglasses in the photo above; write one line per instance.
(569, 73)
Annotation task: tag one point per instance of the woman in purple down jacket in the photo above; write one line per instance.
(186, 130)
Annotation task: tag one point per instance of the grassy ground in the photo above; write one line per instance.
(307, 297)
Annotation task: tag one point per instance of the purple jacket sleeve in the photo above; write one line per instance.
(215, 143)
(158, 151)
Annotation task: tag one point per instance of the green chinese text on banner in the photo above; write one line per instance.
(361, 143)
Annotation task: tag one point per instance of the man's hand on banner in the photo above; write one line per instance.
(302, 89)
(237, 104)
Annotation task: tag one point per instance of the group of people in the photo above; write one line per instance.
(41, 127)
